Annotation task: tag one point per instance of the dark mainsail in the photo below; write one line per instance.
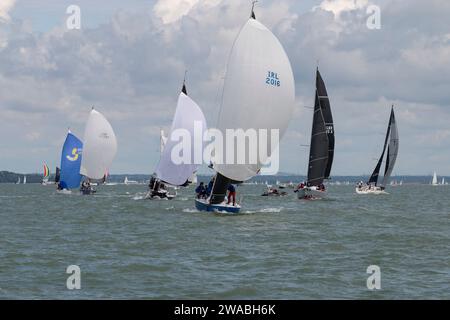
(392, 149)
(328, 118)
(322, 137)
(219, 190)
(57, 175)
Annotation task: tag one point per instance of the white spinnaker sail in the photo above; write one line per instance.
(259, 93)
(186, 114)
(392, 150)
(99, 148)
(435, 179)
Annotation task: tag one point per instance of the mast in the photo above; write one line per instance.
(319, 147)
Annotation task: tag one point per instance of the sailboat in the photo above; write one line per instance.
(99, 150)
(258, 93)
(392, 137)
(443, 181)
(57, 175)
(71, 155)
(434, 181)
(321, 150)
(24, 179)
(187, 114)
(18, 180)
(45, 175)
(163, 140)
(128, 182)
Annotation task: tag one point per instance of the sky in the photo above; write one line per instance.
(129, 59)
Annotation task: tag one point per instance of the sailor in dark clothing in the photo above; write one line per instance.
(201, 191)
(232, 194)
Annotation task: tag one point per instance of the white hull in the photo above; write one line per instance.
(311, 193)
(375, 190)
(64, 191)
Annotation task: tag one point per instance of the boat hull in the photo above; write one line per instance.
(311, 193)
(370, 191)
(64, 191)
(203, 205)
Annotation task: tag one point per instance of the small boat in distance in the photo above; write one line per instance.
(371, 187)
(45, 175)
(128, 182)
(321, 150)
(434, 181)
(24, 179)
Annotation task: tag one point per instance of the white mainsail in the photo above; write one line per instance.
(100, 146)
(443, 181)
(259, 93)
(187, 114)
(434, 182)
(24, 179)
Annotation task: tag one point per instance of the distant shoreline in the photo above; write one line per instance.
(12, 177)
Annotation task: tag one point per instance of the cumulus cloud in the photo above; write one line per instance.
(5, 8)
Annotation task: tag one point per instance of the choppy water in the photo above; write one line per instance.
(279, 248)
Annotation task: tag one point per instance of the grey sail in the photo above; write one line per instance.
(319, 147)
(328, 117)
(392, 149)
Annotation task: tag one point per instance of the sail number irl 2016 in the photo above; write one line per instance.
(272, 79)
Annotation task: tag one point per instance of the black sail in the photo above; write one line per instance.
(220, 188)
(376, 171)
(328, 118)
(57, 175)
(392, 149)
(319, 148)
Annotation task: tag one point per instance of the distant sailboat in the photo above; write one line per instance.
(24, 179)
(45, 175)
(443, 181)
(57, 175)
(321, 152)
(18, 180)
(393, 139)
(434, 181)
(258, 93)
(187, 114)
(99, 150)
(69, 177)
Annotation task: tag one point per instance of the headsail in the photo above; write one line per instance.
(46, 172)
(258, 94)
(392, 149)
(187, 115)
(100, 146)
(322, 137)
(71, 155)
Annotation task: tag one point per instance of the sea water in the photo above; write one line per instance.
(277, 248)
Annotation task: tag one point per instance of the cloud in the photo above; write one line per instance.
(5, 8)
(131, 68)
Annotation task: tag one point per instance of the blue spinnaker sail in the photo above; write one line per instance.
(71, 162)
